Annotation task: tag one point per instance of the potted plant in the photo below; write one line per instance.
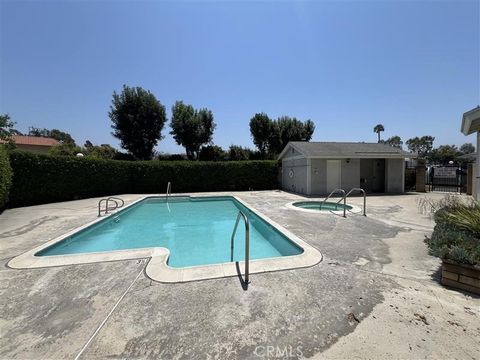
(456, 240)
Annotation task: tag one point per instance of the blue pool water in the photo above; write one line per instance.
(197, 231)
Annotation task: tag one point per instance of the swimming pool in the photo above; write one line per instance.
(197, 231)
(184, 239)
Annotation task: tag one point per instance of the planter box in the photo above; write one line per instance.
(461, 276)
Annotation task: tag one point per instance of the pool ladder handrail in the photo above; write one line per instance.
(364, 198)
(107, 200)
(341, 191)
(247, 243)
(169, 190)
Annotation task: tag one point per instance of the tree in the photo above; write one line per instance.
(394, 141)
(65, 150)
(237, 153)
(137, 120)
(378, 129)
(212, 153)
(191, 128)
(104, 151)
(443, 154)
(6, 127)
(467, 148)
(63, 137)
(88, 144)
(286, 129)
(422, 146)
(270, 137)
(39, 132)
(261, 132)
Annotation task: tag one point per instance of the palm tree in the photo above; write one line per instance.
(378, 129)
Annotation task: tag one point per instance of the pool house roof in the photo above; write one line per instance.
(345, 150)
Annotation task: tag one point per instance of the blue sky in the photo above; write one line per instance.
(411, 65)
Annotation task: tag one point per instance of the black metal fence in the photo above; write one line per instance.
(448, 178)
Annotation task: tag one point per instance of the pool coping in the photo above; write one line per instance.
(157, 268)
(354, 209)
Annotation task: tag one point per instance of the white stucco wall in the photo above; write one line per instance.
(318, 176)
(350, 174)
(309, 176)
(395, 175)
(298, 181)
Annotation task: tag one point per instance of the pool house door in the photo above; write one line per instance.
(334, 175)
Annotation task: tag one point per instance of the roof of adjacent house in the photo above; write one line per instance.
(346, 150)
(471, 121)
(34, 140)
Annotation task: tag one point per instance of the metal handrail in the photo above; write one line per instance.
(247, 242)
(169, 190)
(100, 203)
(107, 200)
(364, 198)
(344, 201)
(114, 199)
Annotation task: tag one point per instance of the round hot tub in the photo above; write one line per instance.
(321, 206)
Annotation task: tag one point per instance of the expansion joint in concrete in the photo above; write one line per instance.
(82, 350)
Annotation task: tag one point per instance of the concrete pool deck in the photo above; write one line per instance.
(374, 295)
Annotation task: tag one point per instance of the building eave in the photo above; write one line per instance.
(471, 121)
(355, 156)
(363, 156)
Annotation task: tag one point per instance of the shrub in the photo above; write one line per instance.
(212, 153)
(456, 233)
(465, 218)
(5, 177)
(430, 207)
(449, 242)
(42, 179)
(236, 152)
(171, 157)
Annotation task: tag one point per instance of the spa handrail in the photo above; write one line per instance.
(247, 242)
(341, 191)
(364, 198)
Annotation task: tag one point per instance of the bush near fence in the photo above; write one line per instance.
(5, 177)
(39, 179)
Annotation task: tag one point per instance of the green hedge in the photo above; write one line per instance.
(5, 177)
(39, 179)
